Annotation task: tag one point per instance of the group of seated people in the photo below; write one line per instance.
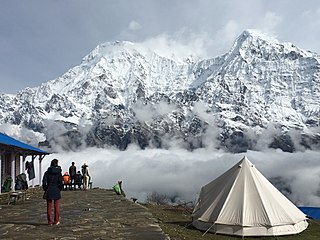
(72, 183)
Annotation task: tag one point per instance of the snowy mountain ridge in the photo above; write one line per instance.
(260, 94)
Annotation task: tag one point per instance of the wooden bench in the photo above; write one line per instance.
(14, 197)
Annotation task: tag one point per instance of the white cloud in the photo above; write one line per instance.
(200, 110)
(225, 36)
(269, 23)
(178, 172)
(134, 26)
(129, 33)
(22, 134)
(148, 112)
(142, 112)
(163, 108)
(180, 45)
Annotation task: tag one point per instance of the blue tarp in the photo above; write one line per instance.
(6, 140)
(313, 212)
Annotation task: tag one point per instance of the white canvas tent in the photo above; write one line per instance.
(243, 202)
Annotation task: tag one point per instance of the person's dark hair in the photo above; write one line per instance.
(54, 162)
(72, 163)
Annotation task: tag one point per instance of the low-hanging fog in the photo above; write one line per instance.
(179, 174)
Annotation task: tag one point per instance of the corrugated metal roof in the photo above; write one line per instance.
(6, 140)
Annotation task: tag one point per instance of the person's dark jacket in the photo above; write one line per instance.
(52, 182)
(72, 171)
(21, 182)
(78, 179)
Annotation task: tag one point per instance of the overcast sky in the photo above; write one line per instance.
(41, 39)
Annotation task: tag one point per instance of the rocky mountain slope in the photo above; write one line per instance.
(260, 94)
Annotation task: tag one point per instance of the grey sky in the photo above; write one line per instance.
(41, 39)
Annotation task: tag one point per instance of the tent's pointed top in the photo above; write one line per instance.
(245, 161)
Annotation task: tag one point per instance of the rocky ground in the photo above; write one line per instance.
(101, 214)
(92, 214)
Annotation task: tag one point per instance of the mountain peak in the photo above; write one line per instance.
(256, 34)
(126, 92)
(260, 44)
(109, 49)
(251, 37)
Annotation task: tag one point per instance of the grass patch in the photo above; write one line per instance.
(175, 222)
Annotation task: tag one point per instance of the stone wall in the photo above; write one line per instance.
(4, 198)
(35, 192)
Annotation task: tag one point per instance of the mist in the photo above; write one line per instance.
(180, 174)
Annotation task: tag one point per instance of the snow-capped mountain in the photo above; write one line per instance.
(262, 93)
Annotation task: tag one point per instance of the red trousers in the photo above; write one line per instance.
(56, 211)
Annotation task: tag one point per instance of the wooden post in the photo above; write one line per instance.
(40, 169)
(33, 157)
(13, 170)
(24, 163)
(20, 165)
(0, 172)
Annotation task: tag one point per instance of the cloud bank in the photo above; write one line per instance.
(180, 174)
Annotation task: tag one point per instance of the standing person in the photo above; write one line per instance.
(72, 172)
(52, 184)
(86, 176)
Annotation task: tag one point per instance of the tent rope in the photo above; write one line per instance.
(208, 230)
(189, 224)
(313, 221)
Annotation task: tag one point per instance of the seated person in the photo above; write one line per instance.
(21, 182)
(78, 179)
(118, 189)
(6, 187)
(66, 180)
